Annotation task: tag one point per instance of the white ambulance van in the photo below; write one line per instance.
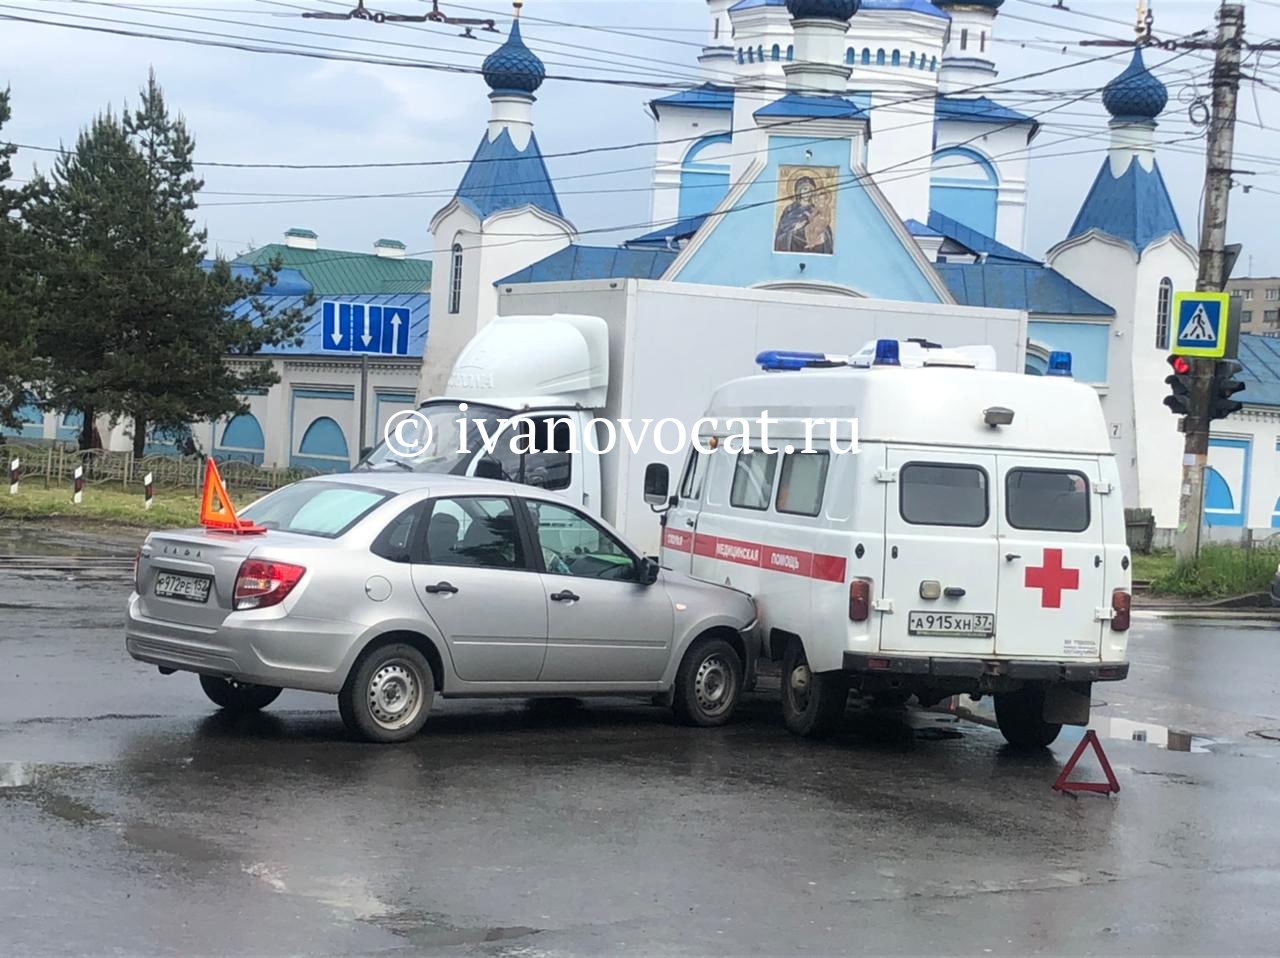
(974, 544)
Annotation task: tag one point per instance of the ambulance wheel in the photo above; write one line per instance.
(238, 697)
(813, 703)
(708, 684)
(1020, 716)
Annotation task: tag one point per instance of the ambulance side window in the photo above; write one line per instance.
(943, 494)
(804, 474)
(695, 473)
(753, 479)
(1047, 500)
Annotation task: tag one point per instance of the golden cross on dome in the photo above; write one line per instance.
(517, 4)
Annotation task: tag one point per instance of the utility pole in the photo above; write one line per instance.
(1212, 277)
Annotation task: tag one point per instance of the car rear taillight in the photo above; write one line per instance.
(859, 600)
(1119, 611)
(261, 583)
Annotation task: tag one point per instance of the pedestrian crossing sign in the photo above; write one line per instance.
(1200, 320)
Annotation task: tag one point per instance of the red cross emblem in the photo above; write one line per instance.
(1052, 579)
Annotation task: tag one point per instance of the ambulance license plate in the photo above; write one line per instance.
(951, 623)
(188, 588)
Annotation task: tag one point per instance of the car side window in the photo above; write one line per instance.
(473, 531)
(541, 457)
(695, 471)
(574, 545)
(753, 479)
(804, 475)
(395, 542)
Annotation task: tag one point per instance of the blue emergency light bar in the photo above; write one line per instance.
(1059, 364)
(774, 360)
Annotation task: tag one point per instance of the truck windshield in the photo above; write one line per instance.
(437, 452)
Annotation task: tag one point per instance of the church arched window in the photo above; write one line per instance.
(760, 52)
(933, 64)
(866, 57)
(964, 39)
(1164, 307)
(740, 55)
(897, 58)
(455, 280)
(751, 55)
(911, 63)
(880, 58)
(777, 53)
(850, 56)
(791, 52)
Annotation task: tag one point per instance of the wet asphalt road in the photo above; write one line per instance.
(133, 819)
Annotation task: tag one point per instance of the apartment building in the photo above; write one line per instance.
(1259, 298)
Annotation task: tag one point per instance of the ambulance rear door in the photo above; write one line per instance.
(938, 594)
(1052, 563)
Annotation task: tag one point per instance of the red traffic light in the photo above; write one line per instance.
(1180, 364)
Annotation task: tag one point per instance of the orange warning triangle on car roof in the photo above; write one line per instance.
(216, 511)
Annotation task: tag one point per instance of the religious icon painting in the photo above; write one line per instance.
(806, 209)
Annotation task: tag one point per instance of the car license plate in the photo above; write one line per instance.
(188, 588)
(951, 623)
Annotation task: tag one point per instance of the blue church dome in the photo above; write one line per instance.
(1135, 94)
(823, 9)
(513, 67)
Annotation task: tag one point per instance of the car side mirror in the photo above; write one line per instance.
(647, 571)
(489, 468)
(657, 479)
(366, 452)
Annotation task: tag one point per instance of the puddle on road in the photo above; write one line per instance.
(1108, 727)
(22, 780)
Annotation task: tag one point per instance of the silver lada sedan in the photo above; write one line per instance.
(389, 589)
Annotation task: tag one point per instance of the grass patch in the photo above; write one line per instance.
(172, 507)
(1221, 571)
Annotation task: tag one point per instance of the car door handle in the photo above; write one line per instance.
(1010, 556)
(690, 523)
(441, 588)
(565, 596)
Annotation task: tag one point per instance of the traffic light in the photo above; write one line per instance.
(1179, 398)
(1225, 385)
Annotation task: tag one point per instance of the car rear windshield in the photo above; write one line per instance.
(326, 509)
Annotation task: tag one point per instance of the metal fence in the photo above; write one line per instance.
(57, 465)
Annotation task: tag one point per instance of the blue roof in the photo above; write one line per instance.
(664, 237)
(980, 109)
(991, 249)
(1260, 357)
(910, 6)
(1134, 207)
(916, 228)
(419, 305)
(707, 96)
(1037, 289)
(595, 262)
(289, 282)
(809, 105)
(501, 177)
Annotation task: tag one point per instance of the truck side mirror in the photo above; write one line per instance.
(656, 480)
(489, 468)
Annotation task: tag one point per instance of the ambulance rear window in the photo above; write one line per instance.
(1047, 500)
(753, 479)
(943, 494)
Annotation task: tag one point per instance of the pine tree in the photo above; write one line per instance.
(137, 327)
(17, 276)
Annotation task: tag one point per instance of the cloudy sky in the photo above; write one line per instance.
(256, 108)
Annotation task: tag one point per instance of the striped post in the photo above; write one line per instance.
(148, 491)
(15, 475)
(78, 495)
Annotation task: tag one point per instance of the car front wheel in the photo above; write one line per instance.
(388, 695)
(708, 683)
(238, 697)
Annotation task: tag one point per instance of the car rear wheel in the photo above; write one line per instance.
(388, 695)
(1020, 716)
(813, 703)
(238, 697)
(708, 683)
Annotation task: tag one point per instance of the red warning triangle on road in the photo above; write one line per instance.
(216, 511)
(1103, 788)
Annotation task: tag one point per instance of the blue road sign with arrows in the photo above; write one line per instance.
(361, 328)
(1200, 324)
